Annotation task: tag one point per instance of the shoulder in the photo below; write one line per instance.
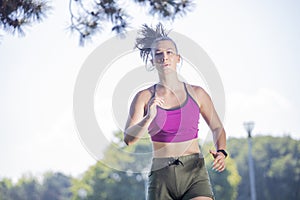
(199, 94)
(197, 90)
(140, 101)
(144, 95)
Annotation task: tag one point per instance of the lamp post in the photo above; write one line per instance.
(145, 179)
(249, 127)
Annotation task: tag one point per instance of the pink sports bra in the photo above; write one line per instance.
(177, 124)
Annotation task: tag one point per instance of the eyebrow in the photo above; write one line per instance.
(166, 49)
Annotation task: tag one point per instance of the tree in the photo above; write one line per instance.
(27, 187)
(56, 186)
(15, 14)
(277, 174)
(103, 182)
(5, 187)
(276, 165)
(88, 17)
(224, 184)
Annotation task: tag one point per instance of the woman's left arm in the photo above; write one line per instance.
(212, 119)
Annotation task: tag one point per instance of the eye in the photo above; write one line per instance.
(170, 52)
(158, 54)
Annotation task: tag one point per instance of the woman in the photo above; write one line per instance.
(169, 111)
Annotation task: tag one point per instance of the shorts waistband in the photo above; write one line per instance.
(158, 163)
(182, 158)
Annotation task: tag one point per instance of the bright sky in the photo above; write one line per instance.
(255, 46)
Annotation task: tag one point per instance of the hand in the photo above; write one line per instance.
(155, 101)
(219, 162)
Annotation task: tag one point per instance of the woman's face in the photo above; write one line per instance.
(165, 55)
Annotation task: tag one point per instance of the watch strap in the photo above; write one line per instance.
(223, 152)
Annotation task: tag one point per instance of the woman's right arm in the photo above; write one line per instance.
(138, 121)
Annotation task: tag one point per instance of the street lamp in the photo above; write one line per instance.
(249, 127)
(145, 178)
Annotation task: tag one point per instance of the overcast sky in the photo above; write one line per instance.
(255, 46)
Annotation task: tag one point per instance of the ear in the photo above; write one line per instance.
(178, 58)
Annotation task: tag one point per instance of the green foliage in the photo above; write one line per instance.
(5, 187)
(135, 157)
(31, 190)
(55, 186)
(225, 184)
(27, 187)
(102, 181)
(276, 164)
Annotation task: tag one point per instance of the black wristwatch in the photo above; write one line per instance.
(223, 152)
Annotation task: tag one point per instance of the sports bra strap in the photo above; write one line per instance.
(154, 91)
(185, 88)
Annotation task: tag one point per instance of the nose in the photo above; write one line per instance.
(164, 56)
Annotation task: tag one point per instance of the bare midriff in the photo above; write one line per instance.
(176, 149)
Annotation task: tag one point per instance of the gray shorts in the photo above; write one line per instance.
(183, 178)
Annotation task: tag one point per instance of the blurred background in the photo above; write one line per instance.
(255, 46)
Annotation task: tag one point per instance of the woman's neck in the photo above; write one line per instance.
(171, 81)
